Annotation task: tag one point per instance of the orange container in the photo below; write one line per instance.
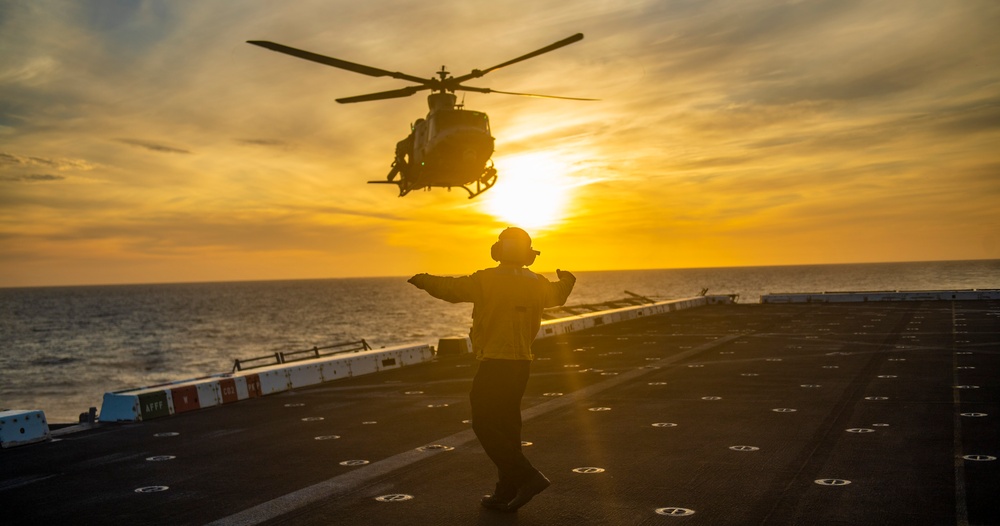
(185, 399)
(228, 388)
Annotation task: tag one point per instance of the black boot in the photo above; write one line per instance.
(531, 487)
(500, 497)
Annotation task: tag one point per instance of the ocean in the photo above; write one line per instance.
(62, 348)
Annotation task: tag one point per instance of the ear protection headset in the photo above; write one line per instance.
(514, 245)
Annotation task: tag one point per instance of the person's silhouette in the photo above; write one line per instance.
(507, 312)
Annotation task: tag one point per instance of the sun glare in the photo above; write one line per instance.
(531, 193)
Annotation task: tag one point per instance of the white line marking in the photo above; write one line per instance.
(961, 508)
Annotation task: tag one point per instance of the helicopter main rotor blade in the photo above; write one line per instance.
(382, 95)
(488, 90)
(336, 62)
(551, 47)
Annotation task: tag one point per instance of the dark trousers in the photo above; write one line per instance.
(496, 417)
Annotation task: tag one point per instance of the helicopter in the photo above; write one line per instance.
(451, 146)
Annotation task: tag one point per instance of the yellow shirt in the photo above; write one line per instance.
(507, 306)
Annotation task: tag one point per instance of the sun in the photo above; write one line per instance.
(531, 192)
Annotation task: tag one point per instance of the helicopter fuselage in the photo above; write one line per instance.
(450, 148)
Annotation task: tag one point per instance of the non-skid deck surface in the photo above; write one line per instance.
(883, 413)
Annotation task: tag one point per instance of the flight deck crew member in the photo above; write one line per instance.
(507, 312)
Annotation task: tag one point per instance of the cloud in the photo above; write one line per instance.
(58, 164)
(263, 142)
(32, 178)
(149, 145)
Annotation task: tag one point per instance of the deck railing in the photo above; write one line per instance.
(278, 358)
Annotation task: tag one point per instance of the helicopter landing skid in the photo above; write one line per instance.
(485, 182)
(402, 191)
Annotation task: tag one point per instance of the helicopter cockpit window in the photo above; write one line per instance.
(447, 119)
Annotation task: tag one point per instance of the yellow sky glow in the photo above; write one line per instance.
(147, 142)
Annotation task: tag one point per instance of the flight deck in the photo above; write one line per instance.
(798, 413)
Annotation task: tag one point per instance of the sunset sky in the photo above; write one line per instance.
(147, 142)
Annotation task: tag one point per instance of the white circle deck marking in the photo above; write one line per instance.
(880, 425)
(876, 398)
(525, 443)
(749, 374)
(413, 392)
(160, 458)
(696, 365)
(295, 405)
(772, 360)
(368, 422)
(151, 489)
(832, 482)
(974, 415)
(966, 367)
(608, 374)
(725, 352)
(354, 462)
(784, 410)
(571, 365)
(711, 398)
(897, 359)
(657, 383)
(437, 405)
(435, 447)
(394, 497)
(167, 434)
(552, 394)
(980, 458)
(744, 448)
(588, 470)
(327, 437)
(674, 512)
(831, 367)
(664, 424)
(599, 409)
(860, 430)
(312, 419)
(810, 385)
(887, 376)
(966, 386)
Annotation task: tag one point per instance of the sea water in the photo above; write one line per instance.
(62, 348)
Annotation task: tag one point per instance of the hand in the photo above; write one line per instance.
(565, 275)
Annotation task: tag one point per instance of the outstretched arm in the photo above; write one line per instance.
(453, 290)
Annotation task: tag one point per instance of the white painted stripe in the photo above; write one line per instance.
(350, 481)
(961, 508)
